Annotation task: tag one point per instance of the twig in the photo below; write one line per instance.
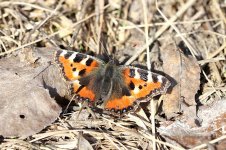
(6, 3)
(161, 30)
(216, 52)
(38, 40)
(192, 50)
(148, 136)
(211, 142)
(163, 23)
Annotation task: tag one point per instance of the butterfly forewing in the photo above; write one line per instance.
(76, 66)
(143, 83)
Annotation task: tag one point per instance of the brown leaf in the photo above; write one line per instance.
(185, 74)
(26, 106)
(184, 135)
(212, 125)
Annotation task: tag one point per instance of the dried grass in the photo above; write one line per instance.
(97, 26)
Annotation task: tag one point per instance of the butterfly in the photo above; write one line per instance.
(116, 89)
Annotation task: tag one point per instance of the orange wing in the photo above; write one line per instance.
(141, 84)
(75, 66)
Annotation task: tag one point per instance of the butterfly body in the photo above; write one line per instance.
(115, 89)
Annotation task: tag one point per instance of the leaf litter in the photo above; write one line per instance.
(190, 115)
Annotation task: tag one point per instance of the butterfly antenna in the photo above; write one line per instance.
(106, 52)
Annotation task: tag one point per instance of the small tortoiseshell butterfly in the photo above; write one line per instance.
(112, 88)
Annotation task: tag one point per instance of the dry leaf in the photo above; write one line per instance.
(212, 125)
(26, 106)
(185, 74)
(184, 135)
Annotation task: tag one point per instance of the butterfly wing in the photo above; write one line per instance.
(141, 84)
(75, 67)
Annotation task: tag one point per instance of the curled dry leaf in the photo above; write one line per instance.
(185, 74)
(26, 106)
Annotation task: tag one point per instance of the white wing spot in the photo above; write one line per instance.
(137, 75)
(84, 61)
(71, 58)
(150, 77)
(136, 90)
(159, 78)
(76, 73)
(63, 53)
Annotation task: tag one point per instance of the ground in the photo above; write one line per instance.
(184, 41)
